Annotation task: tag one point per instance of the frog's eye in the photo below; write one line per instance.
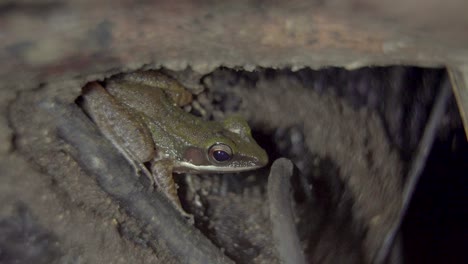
(220, 153)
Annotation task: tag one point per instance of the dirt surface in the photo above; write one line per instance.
(351, 134)
(352, 178)
(59, 196)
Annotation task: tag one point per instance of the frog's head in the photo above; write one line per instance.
(232, 149)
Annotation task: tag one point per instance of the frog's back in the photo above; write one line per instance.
(168, 122)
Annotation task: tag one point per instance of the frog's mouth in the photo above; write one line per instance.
(186, 167)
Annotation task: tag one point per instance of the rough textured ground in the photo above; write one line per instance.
(346, 143)
(353, 177)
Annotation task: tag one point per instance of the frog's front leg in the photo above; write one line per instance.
(162, 175)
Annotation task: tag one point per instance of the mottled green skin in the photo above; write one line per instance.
(179, 136)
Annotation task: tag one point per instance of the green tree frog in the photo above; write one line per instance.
(141, 114)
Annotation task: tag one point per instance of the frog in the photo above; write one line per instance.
(142, 114)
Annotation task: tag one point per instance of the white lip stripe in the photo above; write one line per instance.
(212, 168)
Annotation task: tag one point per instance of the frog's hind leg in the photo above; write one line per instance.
(119, 125)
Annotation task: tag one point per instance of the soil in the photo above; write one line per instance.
(346, 195)
(351, 132)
